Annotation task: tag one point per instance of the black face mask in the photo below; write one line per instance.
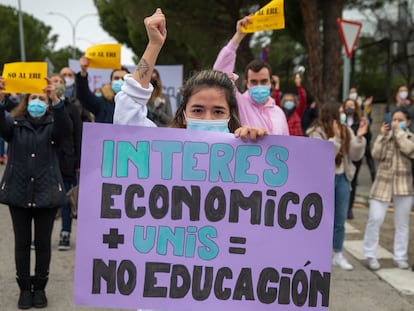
(349, 111)
(154, 82)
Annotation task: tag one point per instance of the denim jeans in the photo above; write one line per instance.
(342, 195)
(66, 211)
(2, 148)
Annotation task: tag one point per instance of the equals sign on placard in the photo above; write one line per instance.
(237, 250)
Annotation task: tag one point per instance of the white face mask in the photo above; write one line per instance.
(221, 125)
(353, 95)
(69, 81)
(403, 95)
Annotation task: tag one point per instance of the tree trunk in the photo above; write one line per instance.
(324, 47)
(332, 45)
(309, 9)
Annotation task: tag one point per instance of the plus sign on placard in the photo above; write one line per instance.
(350, 31)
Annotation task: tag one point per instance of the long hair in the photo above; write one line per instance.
(157, 92)
(203, 80)
(358, 112)
(329, 112)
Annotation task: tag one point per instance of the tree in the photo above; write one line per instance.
(60, 57)
(38, 42)
(323, 46)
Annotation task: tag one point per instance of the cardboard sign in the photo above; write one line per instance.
(269, 17)
(175, 219)
(25, 77)
(104, 56)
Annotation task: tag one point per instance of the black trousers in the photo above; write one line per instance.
(43, 219)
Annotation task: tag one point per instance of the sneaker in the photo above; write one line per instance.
(401, 264)
(64, 241)
(340, 261)
(373, 264)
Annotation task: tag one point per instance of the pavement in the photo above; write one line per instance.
(388, 289)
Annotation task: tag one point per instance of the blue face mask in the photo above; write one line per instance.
(208, 125)
(403, 125)
(289, 105)
(117, 85)
(36, 108)
(259, 93)
(98, 94)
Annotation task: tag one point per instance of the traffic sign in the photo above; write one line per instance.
(350, 31)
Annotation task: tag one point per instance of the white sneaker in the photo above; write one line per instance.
(373, 264)
(340, 261)
(401, 264)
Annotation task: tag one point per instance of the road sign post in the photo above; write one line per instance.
(350, 32)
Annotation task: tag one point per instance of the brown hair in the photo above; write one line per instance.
(208, 79)
(256, 65)
(358, 111)
(21, 108)
(157, 92)
(328, 113)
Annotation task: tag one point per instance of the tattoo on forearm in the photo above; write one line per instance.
(142, 68)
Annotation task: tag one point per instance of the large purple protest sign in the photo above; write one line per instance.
(174, 219)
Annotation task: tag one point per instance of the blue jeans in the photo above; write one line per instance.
(66, 210)
(342, 195)
(2, 149)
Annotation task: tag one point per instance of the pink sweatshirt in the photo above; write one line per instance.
(268, 116)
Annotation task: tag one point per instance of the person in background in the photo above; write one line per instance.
(401, 98)
(159, 106)
(69, 77)
(10, 102)
(353, 119)
(364, 105)
(256, 107)
(331, 125)
(69, 158)
(293, 106)
(70, 94)
(32, 184)
(394, 150)
(102, 107)
(310, 114)
(98, 92)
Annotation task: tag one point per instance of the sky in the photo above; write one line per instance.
(87, 31)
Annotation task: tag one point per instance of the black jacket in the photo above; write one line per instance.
(102, 108)
(32, 177)
(70, 148)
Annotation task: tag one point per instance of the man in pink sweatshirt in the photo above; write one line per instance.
(256, 107)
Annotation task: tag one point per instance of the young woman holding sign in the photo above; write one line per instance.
(208, 101)
(32, 184)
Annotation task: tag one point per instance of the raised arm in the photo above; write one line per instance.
(157, 33)
(226, 59)
(131, 101)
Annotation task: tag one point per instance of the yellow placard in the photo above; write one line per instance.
(25, 77)
(104, 56)
(269, 17)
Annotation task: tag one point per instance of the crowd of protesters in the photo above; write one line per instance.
(262, 109)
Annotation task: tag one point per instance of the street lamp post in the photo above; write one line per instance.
(73, 25)
(21, 35)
